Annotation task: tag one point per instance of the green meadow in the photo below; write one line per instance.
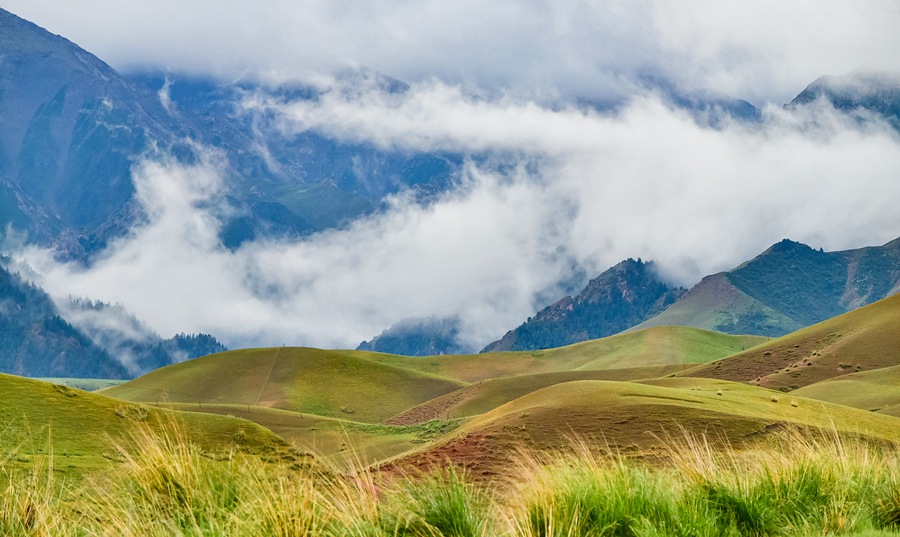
(664, 431)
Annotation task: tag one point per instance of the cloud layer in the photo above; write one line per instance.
(763, 51)
(564, 190)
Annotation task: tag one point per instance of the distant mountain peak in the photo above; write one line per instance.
(620, 297)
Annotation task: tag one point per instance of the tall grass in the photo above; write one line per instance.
(163, 485)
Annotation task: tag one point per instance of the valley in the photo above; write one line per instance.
(405, 269)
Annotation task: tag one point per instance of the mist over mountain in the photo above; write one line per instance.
(35, 340)
(77, 338)
(324, 208)
(71, 128)
(859, 92)
(419, 337)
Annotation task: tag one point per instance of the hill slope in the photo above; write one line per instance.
(628, 417)
(785, 288)
(82, 428)
(661, 346)
(326, 383)
(877, 390)
(861, 340)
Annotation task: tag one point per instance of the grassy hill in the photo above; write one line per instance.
(641, 418)
(487, 395)
(660, 346)
(346, 443)
(716, 304)
(861, 340)
(81, 428)
(787, 287)
(337, 384)
(877, 390)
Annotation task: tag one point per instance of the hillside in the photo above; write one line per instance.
(633, 418)
(82, 428)
(877, 390)
(326, 383)
(865, 339)
(661, 346)
(785, 288)
(619, 298)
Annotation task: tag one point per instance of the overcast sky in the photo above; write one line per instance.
(764, 50)
(579, 191)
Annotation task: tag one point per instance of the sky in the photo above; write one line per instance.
(572, 192)
(762, 51)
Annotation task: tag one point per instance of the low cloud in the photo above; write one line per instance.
(554, 191)
(763, 51)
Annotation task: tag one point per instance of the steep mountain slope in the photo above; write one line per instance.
(785, 288)
(35, 340)
(70, 127)
(619, 298)
(864, 339)
(875, 93)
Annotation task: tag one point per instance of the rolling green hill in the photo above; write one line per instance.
(861, 340)
(661, 346)
(877, 390)
(338, 384)
(487, 395)
(641, 419)
(81, 429)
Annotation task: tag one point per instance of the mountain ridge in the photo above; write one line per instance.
(617, 299)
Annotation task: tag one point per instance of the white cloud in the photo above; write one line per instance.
(764, 51)
(570, 188)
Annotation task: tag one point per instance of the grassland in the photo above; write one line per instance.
(796, 486)
(82, 429)
(660, 346)
(639, 419)
(861, 340)
(337, 384)
(876, 391)
(628, 435)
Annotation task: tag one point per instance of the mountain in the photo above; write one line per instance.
(418, 337)
(133, 343)
(35, 340)
(787, 287)
(83, 339)
(874, 93)
(617, 299)
(71, 128)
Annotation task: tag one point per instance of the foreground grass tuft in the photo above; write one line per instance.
(164, 485)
